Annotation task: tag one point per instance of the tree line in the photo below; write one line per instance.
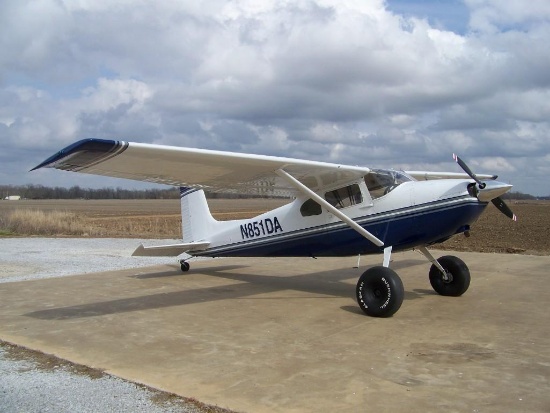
(77, 192)
(520, 196)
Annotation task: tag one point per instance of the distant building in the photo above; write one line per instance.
(13, 198)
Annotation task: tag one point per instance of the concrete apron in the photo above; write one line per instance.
(286, 335)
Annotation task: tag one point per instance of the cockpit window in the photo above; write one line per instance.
(382, 182)
(345, 197)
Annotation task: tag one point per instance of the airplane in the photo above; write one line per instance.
(337, 210)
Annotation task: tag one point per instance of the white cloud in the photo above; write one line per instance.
(111, 93)
(497, 164)
(270, 139)
(490, 15)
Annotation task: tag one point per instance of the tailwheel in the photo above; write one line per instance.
(380, 292)
(456, 279)
(184, 266)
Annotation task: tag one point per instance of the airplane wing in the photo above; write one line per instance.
(426, 176)
(215, 171)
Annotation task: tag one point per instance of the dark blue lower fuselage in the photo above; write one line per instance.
(402, 229)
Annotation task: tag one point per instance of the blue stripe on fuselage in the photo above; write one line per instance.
(403, 229)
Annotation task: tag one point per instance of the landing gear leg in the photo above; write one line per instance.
(184, 265)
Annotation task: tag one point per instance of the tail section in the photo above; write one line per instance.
(196, 221)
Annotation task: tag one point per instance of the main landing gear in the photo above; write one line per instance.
(455, 279)
(380, 291)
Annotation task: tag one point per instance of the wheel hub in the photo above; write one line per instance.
(447, 277)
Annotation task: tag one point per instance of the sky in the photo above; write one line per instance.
(398, 84)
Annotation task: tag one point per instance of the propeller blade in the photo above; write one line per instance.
(491, 192)
(502, 207)
(466, 169)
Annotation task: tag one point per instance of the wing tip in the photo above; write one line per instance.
(101, 146)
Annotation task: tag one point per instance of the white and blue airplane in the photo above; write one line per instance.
(338, 210)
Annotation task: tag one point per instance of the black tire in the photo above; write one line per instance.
(380, 292)
(185, 266)
(459, 277)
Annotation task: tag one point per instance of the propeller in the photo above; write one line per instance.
(488, 193)
(466, 169)
(502, 207)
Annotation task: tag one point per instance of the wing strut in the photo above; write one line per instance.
(337, 213)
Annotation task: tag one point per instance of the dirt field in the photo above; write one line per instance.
(161, 219)
(494, 232)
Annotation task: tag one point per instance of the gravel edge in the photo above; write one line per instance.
(33, 381)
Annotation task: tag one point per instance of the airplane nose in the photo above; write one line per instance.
(492, 190)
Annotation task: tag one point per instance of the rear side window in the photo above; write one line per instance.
(310, 208)
(345, 197)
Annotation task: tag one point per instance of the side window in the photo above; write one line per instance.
(310, 208)
(345, 197)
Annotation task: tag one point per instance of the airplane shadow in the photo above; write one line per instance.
(177, 272)
(325, 284)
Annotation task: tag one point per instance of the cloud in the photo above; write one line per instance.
(348, 81)
(495, 15)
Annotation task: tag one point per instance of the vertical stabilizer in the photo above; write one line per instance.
(196, 221)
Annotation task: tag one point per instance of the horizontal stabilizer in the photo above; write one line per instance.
(171, 250)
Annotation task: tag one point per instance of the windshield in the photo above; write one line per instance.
(381, 182)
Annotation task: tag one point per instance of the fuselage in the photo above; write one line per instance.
(408, 214)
